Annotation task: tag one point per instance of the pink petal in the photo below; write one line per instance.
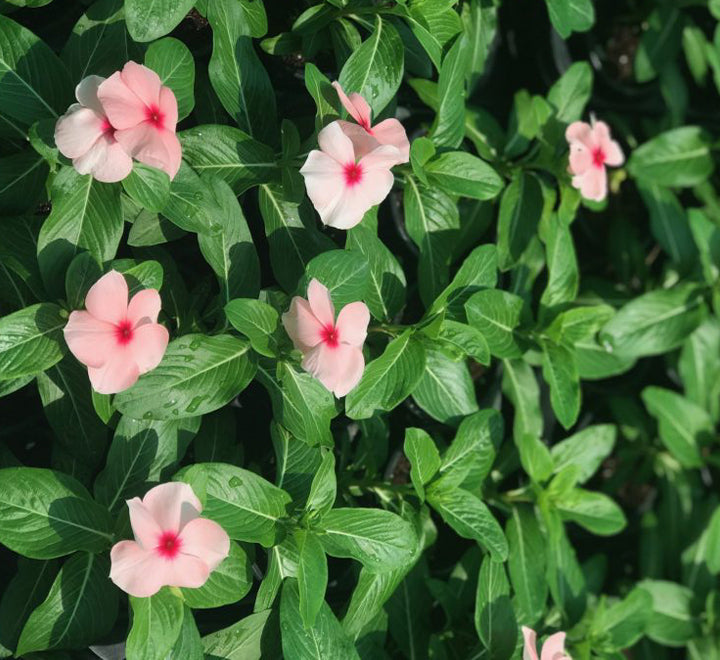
(123, 108)
(354, 365)
(144, 83)
(356, 106)
(350, 207)
(145, 527)
(111, 164)
(352, 323)
(86, 93)
(338, 368)
(135, 570)
(579, 131)
(107, 299)
(89, 339)
(363, 142)
(144, 306)
(580, 159)
(148, 346)
(77, 131)
(613, 154)
(118, 373)
(320, 303)
(593, 184)
(381, 158)
(152, 146)
(169, 109)
(336, 144)
(530, 648)
(324, 181)
(205, 540)
(301, 325)
(184, 571)
(391, 132)
(172, 505)
(554, 647)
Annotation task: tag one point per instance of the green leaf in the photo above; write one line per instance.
(257, 320)
(622, 624)
(446, 390)
(671, 622)
(468, 516)
(31, 340)
(188, 644)
(297, 463)
(684, 427)
(148, 186)
(312, 576)
(699, 367)
(86, 215)
(375, 69)
(147, 21)
(230, 251)
(494, 617)
(713, 542)
(423, 456)
(463, 174)
(47, 514)
(660, 42)
(526, 562)
(585, 450)
(568, 16)
(706, 235)
(385, 293)
(448, 129)
(596, 512)
(22, 180)
(325, 639)
(83, 272)
(20, 282)
(496, 314)
(244, 640)
(227, 153)
(192, 204)
(465, 339)
(80, 608)
(198, 374)
(301, 403)
(563, 275)
(324, 95)
(227, 584)
(247, 506)
(237, 75)
(560, 373)
(142, 453)
(34, 84)
(323, 489)
(520, 210)
(655, 322)
(379, 540)
(345, 273)
(679, 157)
(173, 62)
(388, 379)
(571, 92)
(156, 626)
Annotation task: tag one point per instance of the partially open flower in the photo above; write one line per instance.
(332, 349)
(85, 135)
(364, 135)
(591, 149)
(144, 113)
(173, 546)
(553, 649)
(341, 186)
(117, 341)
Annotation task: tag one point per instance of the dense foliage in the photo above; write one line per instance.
(533, 441)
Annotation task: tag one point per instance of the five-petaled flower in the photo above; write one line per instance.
(591, 149)
(173, 546)
(365, 137)
(117, 341)
(85, 135)
(553, 649)
(332, 349)
(343, 186)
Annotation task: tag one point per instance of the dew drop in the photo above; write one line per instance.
(235, 482)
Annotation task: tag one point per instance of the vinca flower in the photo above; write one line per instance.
(117, 341)
(332, 349)
(173, 545)
(553, 649)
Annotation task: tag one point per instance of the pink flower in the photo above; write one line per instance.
(144, 114)
(85, 135)
(332, 350)
(341, 186)
(591, 149)
(554, 648)
(364, 135)
(173, 546)
(117, 341)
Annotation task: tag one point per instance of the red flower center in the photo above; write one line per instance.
(155, 116)
(353, 174)
(124, 332)
(330, 336)
(107, 129)
(168, 545)
(598, 157)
